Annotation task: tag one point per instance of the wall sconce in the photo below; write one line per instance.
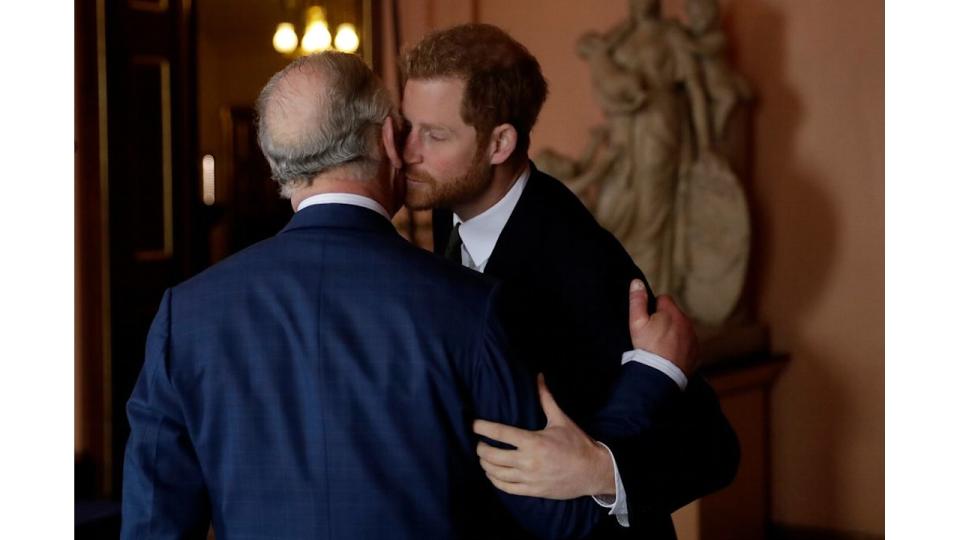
(316, 35)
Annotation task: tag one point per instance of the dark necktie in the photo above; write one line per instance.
(452, 251)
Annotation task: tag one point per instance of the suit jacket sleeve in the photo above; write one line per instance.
(503, 392)
(671, 447)
(164, 495)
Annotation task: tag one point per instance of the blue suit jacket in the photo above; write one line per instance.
(322, 384)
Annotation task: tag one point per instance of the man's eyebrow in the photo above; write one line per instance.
(424, 125)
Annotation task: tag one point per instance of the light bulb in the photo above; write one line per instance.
(347, 39)
(209, 180)
(285, 38)
(316, 38)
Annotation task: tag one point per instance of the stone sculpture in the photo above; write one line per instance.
(725, 87)
(651, 174)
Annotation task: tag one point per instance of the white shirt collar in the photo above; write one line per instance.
(480, 233)
(344, 198)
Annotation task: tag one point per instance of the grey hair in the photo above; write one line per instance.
(341, 127)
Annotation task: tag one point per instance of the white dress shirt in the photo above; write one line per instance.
(479, 235)
(344, 198)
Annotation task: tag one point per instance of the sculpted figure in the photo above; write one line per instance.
(637, 69)
(585, 175)
(653, 174)
(725, 87)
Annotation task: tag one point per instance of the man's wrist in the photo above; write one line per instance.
(605, 484)
(657, 362)
(616, 503)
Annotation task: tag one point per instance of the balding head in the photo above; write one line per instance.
(322, 113)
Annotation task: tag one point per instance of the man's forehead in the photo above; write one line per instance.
(436, 79)
(448, 88)
(433, 100)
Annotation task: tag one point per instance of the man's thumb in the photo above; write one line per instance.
(552, 411)
(638, 312)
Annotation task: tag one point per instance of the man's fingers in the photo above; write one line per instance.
(501, 432)
(638, 311)
(680, 330)
(498, 456)
(666, 303)
(511, 487)
(669, 313)
(504, 474)
(555, 415)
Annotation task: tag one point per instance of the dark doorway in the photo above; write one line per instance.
(157, 235)
(140, 222)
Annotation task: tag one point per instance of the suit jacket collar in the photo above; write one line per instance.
(339, 216)
(521, 234)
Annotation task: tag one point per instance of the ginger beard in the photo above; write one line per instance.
(425, 192)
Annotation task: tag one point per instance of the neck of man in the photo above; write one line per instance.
(337, 182)
(504, 176)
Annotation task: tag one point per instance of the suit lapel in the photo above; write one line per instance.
(522, 236)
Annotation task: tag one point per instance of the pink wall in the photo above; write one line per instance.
(818, 194)
(819, 190)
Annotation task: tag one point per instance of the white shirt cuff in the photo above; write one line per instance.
(617, 506)
(658, 363)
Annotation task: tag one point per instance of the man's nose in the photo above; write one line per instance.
(411, 149)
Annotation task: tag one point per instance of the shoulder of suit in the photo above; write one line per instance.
(572, 234)
(442, 275)
(239, 263)
(555, 200)
(568, 218)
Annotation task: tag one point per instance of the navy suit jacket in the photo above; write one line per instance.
(565, 281)
(322, 384)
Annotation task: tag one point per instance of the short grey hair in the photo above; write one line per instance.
(331, 119)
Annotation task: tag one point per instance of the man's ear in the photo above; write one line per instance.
(503, 140)
(388, 135)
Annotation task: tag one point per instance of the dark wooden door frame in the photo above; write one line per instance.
(138, 220)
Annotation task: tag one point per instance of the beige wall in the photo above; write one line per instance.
(818, 196)
(819, 191)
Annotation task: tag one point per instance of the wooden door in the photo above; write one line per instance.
(157, 236)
